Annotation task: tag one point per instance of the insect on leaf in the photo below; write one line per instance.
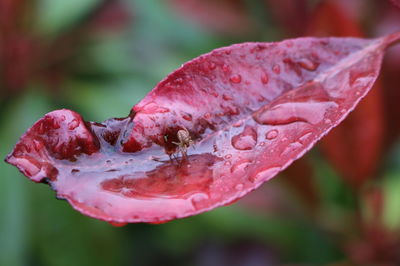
(251, 109)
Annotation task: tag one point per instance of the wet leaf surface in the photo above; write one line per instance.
(250, 109)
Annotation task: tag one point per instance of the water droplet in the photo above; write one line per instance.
(227, 163)
(307, 64)
(226, 68)
(198, 200)
(264, 78)
(240, 166)
(291, 112)
(73, 124)
(179, 80)
(38, 145)
(212, 66)
(276, 69)
(262, 143)
(226, 97)
(261, 98)
(239, 187)
(289, 44)
(343, 111)
(271, 134)
(152, 107)
(207, 116)
(236, 78)
(214, 93)
(360, 80)
(265, 174)
(246, 140)
(55, 124)
(328, 121)
(228, 156)
(238, 123)
(292, 149)
(304, 138)
(187, 117)
(30, 166)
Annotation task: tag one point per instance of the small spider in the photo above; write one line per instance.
(184, 141)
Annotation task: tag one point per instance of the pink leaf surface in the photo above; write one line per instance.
(251, 109)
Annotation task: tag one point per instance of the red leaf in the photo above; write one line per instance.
(251, 110)
(396, 3)
(344, 146)
(291, 15)
(389, 21)
(222, 16)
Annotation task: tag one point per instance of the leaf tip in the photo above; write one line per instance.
(392, 39)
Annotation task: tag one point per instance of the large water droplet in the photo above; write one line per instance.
(212, 66)
(239, 187)
(226, 68)
(207, 115)
(240, 166)
(30, 166)
(276, 69)
(54, 124)
(305, 137)
(270, 135)
(264, 78)
(292, 148)
(238, 123)
(187, 117)
(289, 43)
(214, 93)
(199, 200)
(38, 145)
(307, 64)
(286, 113)
(236, 78)
(73, 124)
(152, 107)
(265, 174)
(360, 79)
(226, 97)
(246, 140)
(179, 80)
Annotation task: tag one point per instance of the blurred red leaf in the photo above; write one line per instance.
(222, 16)
(388, 21)
(16, 47)
(345, 145)
(252, 109)
(377, 247)
(292, 15)
(396, 3)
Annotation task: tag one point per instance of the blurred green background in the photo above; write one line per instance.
(99, 58)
